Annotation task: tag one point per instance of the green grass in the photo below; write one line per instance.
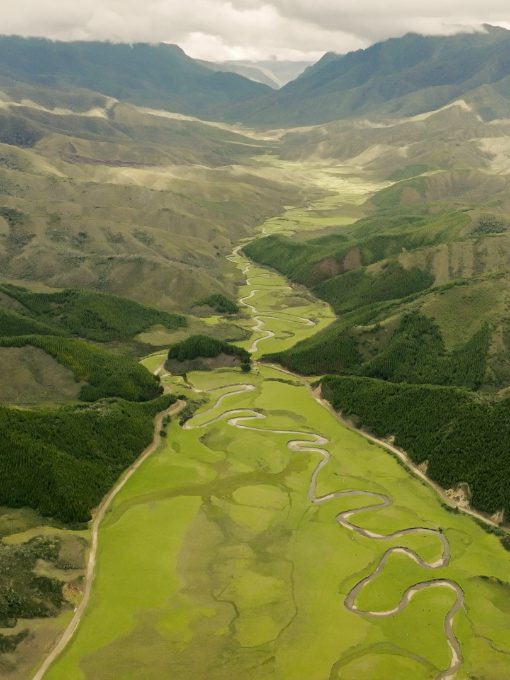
(161, 584)
(247, 535)
(246, 568)
(271, 297)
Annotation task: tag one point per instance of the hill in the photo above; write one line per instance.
(419, 283)
(443, 429)
(101, 373)
(85, 314)
(60, 460)
(201, 352)
(399, 77)
(59, 456)
(56, 461)
(143, 203)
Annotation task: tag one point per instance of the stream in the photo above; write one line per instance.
(316, 444)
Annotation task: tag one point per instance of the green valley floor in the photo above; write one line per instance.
(266, 540)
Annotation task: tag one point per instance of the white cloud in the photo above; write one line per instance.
(253, 29)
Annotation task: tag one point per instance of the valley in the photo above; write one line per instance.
(255, 386)
(264, 537)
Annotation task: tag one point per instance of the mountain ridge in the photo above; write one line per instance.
(159, 76)
(398, 77)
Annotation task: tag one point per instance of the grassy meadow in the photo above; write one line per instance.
(212, 559)
(213, 563)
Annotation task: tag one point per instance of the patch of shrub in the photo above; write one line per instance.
(203, 346)
(220, 303)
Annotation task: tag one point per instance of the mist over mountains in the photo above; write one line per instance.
(399, 77)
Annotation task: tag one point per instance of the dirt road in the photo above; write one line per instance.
(98, 517)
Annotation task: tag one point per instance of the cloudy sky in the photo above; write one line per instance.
(248, 29)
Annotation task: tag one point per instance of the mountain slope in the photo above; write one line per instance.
(420, 284)
(158, 76)
(400, 77)
(99, 194)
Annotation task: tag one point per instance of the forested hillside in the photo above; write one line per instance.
(102, 373)
(81, 313)
(419, 284)
(58, 458)
(459, 436)
(415, 352)
(62, 462)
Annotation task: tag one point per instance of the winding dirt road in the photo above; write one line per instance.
(98, 517)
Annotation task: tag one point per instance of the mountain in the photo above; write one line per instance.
(399, 77)
(274, 73)
(158, 76)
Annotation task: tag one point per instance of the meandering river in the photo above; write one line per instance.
(316, 444)
(83, 652)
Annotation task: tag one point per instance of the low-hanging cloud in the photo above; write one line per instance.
(248, 29)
